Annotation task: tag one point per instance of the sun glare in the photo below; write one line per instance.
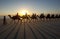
(23, 12)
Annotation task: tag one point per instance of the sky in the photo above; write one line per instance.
(33, 6)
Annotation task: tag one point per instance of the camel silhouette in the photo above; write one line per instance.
(34, 17)
(16, 17)
(25, 16)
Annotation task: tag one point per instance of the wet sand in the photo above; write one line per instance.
(41, 29)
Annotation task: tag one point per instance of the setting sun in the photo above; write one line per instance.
(23, 12)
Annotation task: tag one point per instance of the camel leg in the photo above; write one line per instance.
(14, 21)
(18, 20)
(21, 21)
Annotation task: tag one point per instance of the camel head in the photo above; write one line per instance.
(9, 16)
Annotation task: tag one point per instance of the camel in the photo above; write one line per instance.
(14, 17)
(17, 17)
(34, 17)
(25, 17)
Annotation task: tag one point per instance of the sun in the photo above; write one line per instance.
(23, 12)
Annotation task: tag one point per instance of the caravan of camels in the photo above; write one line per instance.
(34, 16)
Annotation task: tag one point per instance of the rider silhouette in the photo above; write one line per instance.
(17, 14)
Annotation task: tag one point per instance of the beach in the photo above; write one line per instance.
(40, 29)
